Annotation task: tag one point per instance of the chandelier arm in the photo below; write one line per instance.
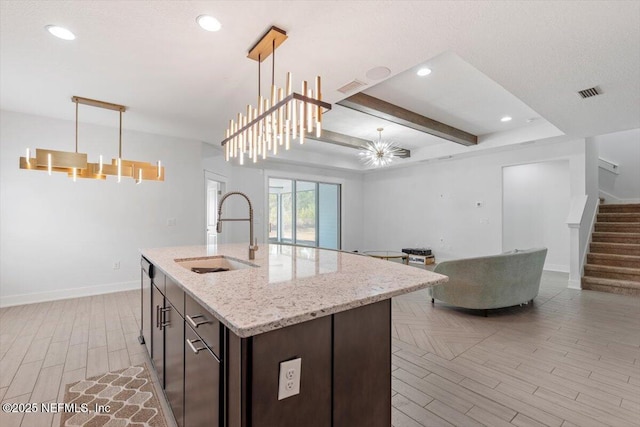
(259, 62)
(76, 126)
(120, 138)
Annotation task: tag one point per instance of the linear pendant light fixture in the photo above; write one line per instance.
(75, 164)
(276, 121)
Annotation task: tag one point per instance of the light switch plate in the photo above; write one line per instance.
(289, 382)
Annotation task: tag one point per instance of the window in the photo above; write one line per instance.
(304, 213)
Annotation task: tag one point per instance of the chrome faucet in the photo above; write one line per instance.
(253, 243)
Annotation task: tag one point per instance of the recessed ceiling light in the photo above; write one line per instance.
(208, 23)
(60, 32)
(424, 72)
(505, 119)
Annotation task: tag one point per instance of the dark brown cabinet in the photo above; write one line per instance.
(214, 378)
(173, 325)
(157, 334)
(174, 360)
(201, 383)
(167, 340)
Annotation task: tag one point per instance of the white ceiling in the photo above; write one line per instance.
(457, 94)
(180, 80)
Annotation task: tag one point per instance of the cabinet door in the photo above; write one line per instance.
(201, 383)
(157, 334)
(174, 361)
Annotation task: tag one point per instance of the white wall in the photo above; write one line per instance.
(253, 181)
(622, 148)
(536, 199)
(433, 204)
(60, 239)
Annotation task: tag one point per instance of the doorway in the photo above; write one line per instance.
(536, 199)
(214, 188)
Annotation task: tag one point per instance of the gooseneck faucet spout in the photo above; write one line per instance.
(253, 243)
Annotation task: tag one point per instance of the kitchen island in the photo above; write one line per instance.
(218, 340)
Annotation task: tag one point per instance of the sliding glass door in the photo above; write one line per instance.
(304, 213)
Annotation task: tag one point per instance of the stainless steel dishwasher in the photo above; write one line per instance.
(146, 279)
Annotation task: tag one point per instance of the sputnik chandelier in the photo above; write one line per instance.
(380, 153)
(276, 121)
(75, 164)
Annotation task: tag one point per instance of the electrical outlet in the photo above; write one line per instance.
(116, 265)
(171, 222)
(289, 383)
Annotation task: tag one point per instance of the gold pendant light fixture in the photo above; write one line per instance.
(75, 164)
(279, 119)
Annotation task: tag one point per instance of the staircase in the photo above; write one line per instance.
(613, 263)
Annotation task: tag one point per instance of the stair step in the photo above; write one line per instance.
(613, 260)
(618, 227)
(614, 248)
(623, 287)
(607, 272)
(618, 217)
(631, 208)
(616, 237)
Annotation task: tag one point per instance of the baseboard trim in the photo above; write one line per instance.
(574, 284)
(11, 300)
(556, 267)
(611, 199)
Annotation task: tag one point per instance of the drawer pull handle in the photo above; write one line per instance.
(196, 324)
(193, 347)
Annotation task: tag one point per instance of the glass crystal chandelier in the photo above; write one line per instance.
(278, 119)
(380, 153)
(75, 164)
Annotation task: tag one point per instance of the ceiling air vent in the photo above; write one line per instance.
(351, 86)
(588, 93)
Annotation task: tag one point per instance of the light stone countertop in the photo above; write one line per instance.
(289, 285)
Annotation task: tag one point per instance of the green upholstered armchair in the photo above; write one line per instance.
(494, 281)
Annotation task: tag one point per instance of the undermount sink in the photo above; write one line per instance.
(213, 264)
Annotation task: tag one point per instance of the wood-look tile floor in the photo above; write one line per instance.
(571, 359)
(45, 346)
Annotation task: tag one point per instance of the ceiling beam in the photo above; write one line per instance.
(384, 110)
(338, 139)
(347, 141)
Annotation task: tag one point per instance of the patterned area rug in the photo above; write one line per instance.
(115, 399)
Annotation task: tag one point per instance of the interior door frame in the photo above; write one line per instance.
(223, 180)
